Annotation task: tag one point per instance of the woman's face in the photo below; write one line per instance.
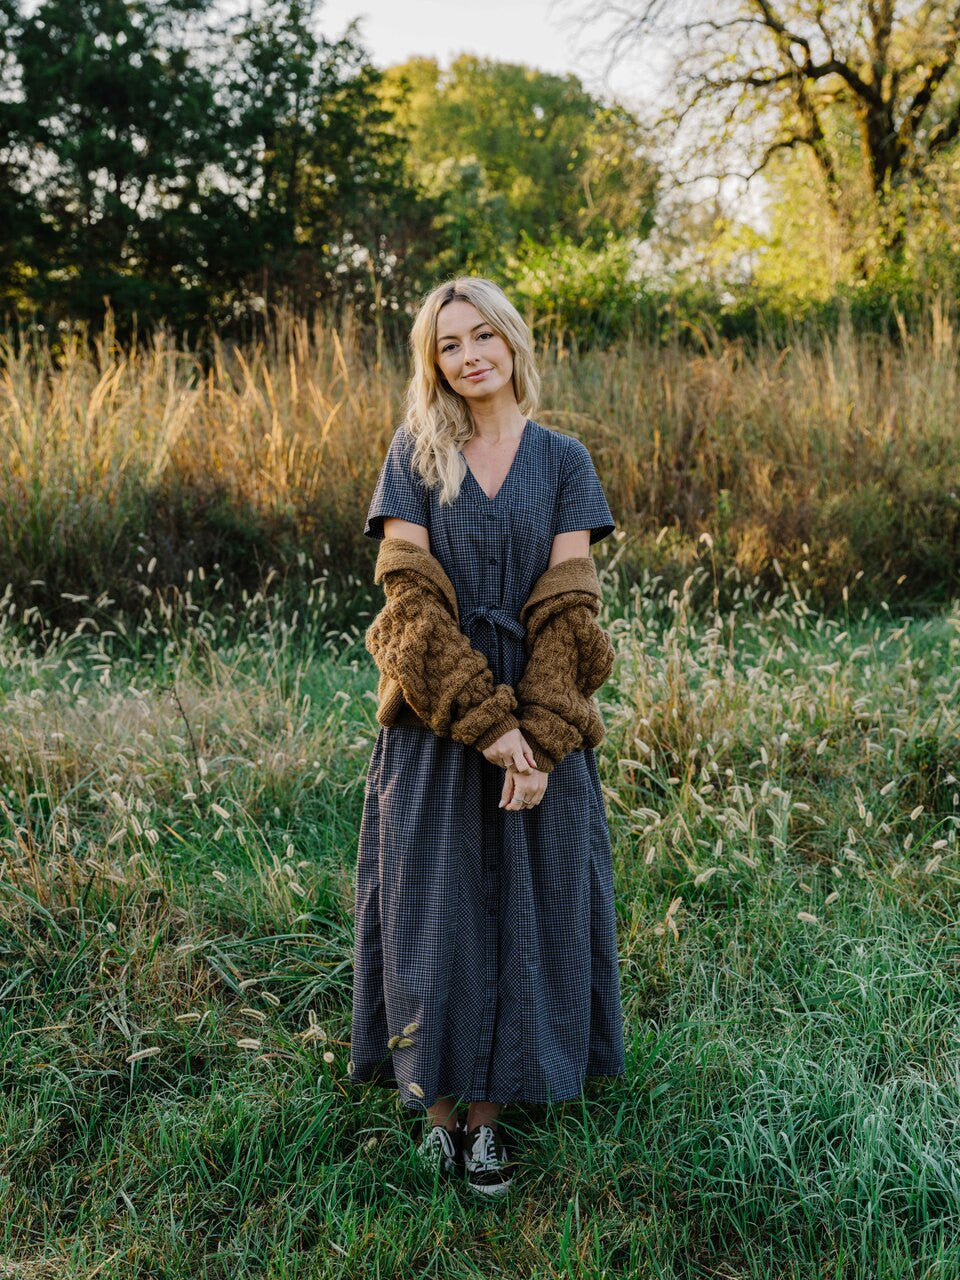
(471, 355)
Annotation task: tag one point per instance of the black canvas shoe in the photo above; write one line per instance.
(439, 1149)
(487, 1165)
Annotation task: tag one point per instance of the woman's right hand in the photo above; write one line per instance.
(511, 751)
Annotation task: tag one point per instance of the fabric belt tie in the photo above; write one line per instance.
(496, 618)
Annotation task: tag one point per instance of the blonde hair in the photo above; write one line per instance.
(437, 417)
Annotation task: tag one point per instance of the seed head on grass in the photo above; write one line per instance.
(144, 1053)
(313, 1030)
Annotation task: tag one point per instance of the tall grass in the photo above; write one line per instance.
(178, 823)
(832, 459)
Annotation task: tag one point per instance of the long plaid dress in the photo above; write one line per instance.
(492, 930)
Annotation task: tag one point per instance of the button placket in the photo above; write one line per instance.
(491, 912)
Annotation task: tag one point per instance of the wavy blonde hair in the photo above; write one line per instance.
(437, 417)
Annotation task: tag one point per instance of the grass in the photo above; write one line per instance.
(179, 807)
(121, 469)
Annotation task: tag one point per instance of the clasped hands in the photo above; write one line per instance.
(524, 784)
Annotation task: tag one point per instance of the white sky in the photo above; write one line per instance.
(538, 33)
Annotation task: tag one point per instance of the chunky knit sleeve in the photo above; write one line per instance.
(417, 643)
(570, 657)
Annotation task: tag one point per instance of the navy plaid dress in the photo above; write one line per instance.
(492, 930)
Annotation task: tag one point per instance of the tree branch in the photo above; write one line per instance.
(943, 133)
(922, 98)
(813, 70)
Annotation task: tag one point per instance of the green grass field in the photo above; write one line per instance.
(179, 809)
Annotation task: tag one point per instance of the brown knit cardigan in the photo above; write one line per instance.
(430, 675)
(570, 657)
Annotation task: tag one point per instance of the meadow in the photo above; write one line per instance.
(831, 458)
(182, 760)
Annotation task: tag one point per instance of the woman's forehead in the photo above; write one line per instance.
(457, 318)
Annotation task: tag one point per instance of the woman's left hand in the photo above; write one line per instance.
(523, 790)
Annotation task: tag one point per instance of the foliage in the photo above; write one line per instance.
(105, 174)
(196, 180)
(568, 290)
(315, 168)
(555, 161)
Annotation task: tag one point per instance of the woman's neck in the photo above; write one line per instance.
(496, 422)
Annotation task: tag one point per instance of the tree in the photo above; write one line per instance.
(316, 165)
(193, 163)
(112, 119)
(870, 90)
(19, 215)
(542, 157)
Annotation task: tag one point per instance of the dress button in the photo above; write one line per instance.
(491, 560)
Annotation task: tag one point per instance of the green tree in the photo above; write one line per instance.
(867, 89)
(115, 119)
(317, 166)
(19, 215)
(197, 165)
(540, 155)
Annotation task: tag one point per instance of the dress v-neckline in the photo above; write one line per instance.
(510, 470)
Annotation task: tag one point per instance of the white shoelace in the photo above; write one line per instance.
(439, 1137)
(484, 1153)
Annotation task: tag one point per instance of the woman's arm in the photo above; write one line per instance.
(415, 533)
(569, 656)
(568, 546)
(425, 659)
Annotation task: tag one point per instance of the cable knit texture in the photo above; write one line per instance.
(570, 657)
(430, 674)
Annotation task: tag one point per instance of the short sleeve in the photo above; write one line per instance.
(582, 503)
(400, 491)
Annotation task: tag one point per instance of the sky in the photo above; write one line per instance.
(538, 33)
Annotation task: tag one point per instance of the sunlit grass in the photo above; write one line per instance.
(833, 457)
(179, 810)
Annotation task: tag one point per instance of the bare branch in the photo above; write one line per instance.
(777, 25)
(750, 79)
(922, 98)
(783, 144)
(943, 133)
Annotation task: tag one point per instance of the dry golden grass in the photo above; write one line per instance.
(125, 467)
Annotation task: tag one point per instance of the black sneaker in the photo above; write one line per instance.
(439, 1149)
(487, 1165)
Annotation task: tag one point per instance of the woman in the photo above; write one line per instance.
(485, 963)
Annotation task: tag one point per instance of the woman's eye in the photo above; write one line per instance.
(448, 347)
(486, 335)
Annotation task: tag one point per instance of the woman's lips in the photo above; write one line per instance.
(473, 377)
